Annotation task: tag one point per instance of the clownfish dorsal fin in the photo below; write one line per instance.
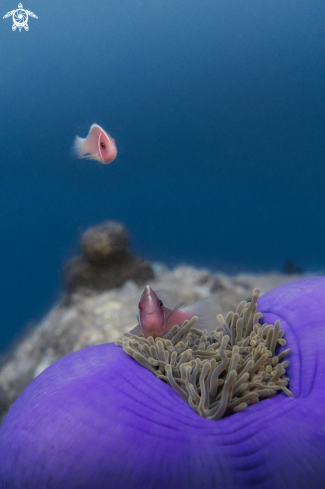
(174, 310)
(206, 309)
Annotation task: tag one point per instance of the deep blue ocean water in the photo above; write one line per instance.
(217, 108)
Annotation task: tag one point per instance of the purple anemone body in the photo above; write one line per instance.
(98, 419)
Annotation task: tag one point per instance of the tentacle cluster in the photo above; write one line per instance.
(219, 373)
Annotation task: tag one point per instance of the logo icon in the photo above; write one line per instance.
(20, 18)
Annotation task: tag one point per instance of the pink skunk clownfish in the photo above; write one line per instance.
(156, 319)
(98, 145)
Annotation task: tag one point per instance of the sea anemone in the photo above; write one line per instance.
(97, 418)
(221, 372)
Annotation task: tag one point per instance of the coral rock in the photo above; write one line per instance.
(99, 243)
(105, 262)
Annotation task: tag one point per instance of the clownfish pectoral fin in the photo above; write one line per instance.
(89, 157)
(136, 331)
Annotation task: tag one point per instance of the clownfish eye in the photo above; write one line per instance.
(103, 145)
(160, 304)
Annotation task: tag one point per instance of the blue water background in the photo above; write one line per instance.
(217, 108)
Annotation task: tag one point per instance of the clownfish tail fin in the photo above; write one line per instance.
(78, 147)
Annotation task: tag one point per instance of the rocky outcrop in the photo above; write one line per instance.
(105, 261)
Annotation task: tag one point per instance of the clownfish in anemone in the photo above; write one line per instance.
(157, 316)
(98, 145)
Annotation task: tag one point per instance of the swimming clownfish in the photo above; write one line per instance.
(156, 319)
(98, 145)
